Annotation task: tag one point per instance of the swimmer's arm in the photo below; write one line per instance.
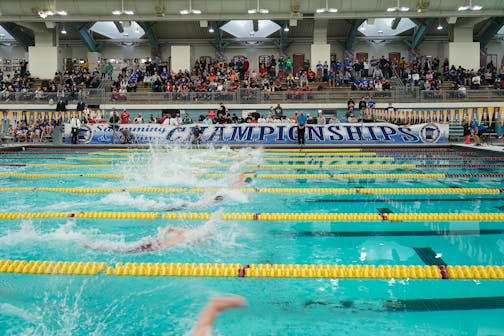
(178, 239)
(175, 229)
(212, 310)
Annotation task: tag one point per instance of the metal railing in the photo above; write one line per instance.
(406, 94)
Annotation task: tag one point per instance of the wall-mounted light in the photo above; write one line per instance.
(210, 30)
(63, 30)
(439, 26)
(286, 29)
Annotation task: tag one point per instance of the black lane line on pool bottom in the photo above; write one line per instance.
(413, 305)
(470, 303)
(428, 256)
(405, 200)
(389, 233)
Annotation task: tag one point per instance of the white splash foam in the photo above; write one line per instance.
(28, 234)
(140, 202)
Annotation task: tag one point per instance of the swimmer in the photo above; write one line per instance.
(201, 203)
(175, 235)
(242, 179)
(213, 308)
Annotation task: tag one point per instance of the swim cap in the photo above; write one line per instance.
(219, 198)
(248, 179)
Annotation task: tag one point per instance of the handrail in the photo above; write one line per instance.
(256, 96)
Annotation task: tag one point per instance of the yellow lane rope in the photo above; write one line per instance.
(264, 176)
(264, 216)
(456, 272)
(311, 150)
(267, 190)
(316, 166)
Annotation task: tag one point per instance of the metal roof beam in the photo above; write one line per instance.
(83, 29)
(19, 34)
(420, 33)
(220, 44)
(151, 36)
(490, 31)
(350, 41)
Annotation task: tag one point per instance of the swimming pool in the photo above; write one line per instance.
(351, 207)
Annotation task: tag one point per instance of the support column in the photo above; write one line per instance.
(94, 60)
(180, 58)
(320, 50)
(44, 58)
(463, 51)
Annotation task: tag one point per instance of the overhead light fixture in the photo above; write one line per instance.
(210, 30)
(326, 9)
(286, 29)
(398, 8)
(122, 11)
(470, 7)
(63, 30)
(258, 10)
(50, 12)
(439, 26)
(190, 10)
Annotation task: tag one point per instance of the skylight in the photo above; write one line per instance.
(245, 28)
(4, 35)
(132, 30)
(383, 27)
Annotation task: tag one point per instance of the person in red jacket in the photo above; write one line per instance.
(125, 117)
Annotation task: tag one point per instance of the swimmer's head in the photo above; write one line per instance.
(247, 179)
(219, 198)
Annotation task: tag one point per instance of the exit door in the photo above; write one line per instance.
(298, 62)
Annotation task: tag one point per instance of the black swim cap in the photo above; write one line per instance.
(219, 198)
(248, 179)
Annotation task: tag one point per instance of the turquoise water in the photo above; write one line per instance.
(113, 305)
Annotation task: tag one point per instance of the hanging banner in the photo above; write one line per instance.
(257, 134)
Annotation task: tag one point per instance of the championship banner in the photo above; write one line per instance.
(267, 134)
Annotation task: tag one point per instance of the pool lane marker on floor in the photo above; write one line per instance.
(431, 258)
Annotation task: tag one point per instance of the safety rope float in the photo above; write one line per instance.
(263, 216)
(370, 191)
(459, 272)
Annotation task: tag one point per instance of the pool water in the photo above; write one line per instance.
(35, 304)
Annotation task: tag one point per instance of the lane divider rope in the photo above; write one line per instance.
(274, 176)
(370, 191)
(263, 216)
(421, 272)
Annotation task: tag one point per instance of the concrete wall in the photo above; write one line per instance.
(466, 54)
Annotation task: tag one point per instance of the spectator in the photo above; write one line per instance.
(139, 119)
(301, 125)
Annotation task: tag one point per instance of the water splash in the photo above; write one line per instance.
(28, 234)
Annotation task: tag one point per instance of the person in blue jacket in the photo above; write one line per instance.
(301, 126)
(478, 130)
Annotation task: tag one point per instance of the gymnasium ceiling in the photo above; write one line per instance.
(168, 26)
